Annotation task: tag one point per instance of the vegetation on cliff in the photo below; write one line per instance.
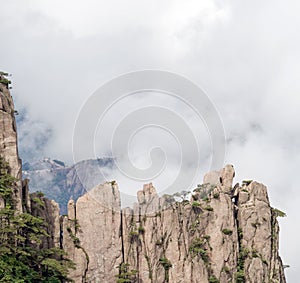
(21, 257)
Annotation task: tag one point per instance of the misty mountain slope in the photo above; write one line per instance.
(223, 233)
(61, 182)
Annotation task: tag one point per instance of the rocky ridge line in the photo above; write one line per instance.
(222, 234)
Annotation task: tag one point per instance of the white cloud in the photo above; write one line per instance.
(244, 54)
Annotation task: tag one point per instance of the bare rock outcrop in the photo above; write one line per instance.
(220, 235)
(92, 234)
(259, 235)
(8, 138)
(223, 178)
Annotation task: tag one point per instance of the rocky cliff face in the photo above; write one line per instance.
(8, 138)
(220, 235)
(94, 219)
(34, 204)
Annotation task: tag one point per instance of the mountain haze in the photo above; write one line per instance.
(222, 233)
(61, 182)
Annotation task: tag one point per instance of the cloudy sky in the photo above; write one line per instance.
(243, 54)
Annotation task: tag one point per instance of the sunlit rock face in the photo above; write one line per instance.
(221, 233)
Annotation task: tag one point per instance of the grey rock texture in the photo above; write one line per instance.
(259, 227)
(8, 139)
(223, 234)
(98, 216)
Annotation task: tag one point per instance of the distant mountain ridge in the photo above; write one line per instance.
(61, 182)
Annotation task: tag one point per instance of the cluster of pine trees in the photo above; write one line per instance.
(22, 258)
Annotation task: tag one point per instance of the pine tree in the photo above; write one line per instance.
(21, 258)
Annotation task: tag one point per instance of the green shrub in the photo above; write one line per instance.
(278, 213)
(227, 231)
(226, 269)
(240, 276)
(208, 208)
(40, 194)
(255, 253)
(125, 274)
(38, 201)
(21, 257)
(196, 207)
(165, 263)
(195, 204)
(213, 279)
(141, 230)
(3, 73)
(206, 237)
(197, 248)
(73, 237)
(240, 232)
(5, 81)
(216, 195)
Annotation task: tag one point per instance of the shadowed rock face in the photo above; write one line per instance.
(222, 234)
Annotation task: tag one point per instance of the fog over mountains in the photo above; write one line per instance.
(245, 55)
(61, 182)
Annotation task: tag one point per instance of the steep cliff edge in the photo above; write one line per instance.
(47, 209)
(222, 234)
(30, 234)
(8, 138)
